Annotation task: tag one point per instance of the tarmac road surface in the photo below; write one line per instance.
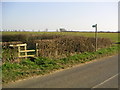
(101, 73)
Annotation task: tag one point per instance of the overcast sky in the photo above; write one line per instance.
(54, 15)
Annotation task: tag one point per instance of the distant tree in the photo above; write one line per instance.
(46, 30)
(23, 30)
(32, 30)
(15, 30)
(63, 30)
(39, 30)
(57, 30)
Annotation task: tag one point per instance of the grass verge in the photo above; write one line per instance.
(40, 66)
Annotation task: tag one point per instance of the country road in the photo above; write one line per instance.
(101, 73)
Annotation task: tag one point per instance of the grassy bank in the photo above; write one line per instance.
(40, 65)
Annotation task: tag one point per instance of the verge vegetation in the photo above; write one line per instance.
(56, 51)
(42, 65)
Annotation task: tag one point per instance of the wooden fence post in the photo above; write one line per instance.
(37, 49)
(25, 50)
(18, 51)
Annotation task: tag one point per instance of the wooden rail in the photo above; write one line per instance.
(27, 50)
(26, 55)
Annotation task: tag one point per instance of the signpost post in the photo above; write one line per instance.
(95, 36)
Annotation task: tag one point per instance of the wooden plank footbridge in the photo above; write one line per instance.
(25, 51)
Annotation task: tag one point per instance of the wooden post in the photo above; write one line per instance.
(18, 51)
(25, 50)
(96, 37)
(37, 49)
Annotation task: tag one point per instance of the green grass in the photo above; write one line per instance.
(40, 66)
(112, 36)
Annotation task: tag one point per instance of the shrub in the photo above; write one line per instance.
(69, 45)
(53, 46)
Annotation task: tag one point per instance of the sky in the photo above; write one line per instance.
(54, 15)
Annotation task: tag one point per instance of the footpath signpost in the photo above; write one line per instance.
(95, 26)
